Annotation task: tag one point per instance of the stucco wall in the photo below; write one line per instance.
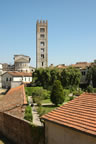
(23, 79)
(0, 82)
(19, 130)
(83, 77)
(0, 66)
(15, 81)
(5, 83)
(56, 134)
(15, 84)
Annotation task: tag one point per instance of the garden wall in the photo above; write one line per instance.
(20, 131)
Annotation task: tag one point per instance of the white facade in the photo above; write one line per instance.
(0, 67)
(22, 79)
(9, 81)
(0, 75)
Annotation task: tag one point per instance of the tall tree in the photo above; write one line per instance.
(70, 77)
(91, 75)
(57, 95)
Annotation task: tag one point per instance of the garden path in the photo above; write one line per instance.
(36, 119)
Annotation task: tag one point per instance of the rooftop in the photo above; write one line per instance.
(19, 74)
(14, 99)
(21, 55)
(79, 114)
(82, 65)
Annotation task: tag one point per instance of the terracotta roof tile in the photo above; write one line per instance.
(79, 113)
(82, 65)
(15, 97)
(19, 74)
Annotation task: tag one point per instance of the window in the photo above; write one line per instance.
(42, 55)
(42, 36)
(42, 63)
(25, 78)
(10, 79)
(83, 73)
(6, 79)
(42, 50)
(42, 43)
(42, 29)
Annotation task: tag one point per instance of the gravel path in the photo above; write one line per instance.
(36, 119)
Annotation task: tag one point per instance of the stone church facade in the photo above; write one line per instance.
(22, 63)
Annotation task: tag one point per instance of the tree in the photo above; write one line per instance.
(37, 77)
(46, 77)
(54, 75)
(41, 77)
(91, 76)
(70, 77)
(57, 96)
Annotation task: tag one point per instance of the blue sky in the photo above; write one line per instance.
(71, 29)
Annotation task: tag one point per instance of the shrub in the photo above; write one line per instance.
(90, 89)
(28, 114)
(94, 90)
(77, 93)
(37, 92)
(57, 95)
(66, 92)
(39, 104)
(41, 111)
(71, 97)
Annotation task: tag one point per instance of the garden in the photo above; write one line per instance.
(54, 87)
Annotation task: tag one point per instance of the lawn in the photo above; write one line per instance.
(45, 109)
(46, 101)
(67, 98)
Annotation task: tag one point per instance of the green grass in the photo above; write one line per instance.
(67, 98)
(46, 101)
(45, 109)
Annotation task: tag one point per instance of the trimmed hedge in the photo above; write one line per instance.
(28, 114)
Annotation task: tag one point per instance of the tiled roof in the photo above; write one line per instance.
(18, 74)
(82, 65)
(79, 114)
(14, 98)
(61, 66)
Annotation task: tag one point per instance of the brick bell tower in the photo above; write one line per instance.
(41, 44)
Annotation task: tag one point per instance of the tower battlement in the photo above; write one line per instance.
(42, 21)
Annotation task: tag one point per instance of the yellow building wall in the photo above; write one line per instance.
(56, 134)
